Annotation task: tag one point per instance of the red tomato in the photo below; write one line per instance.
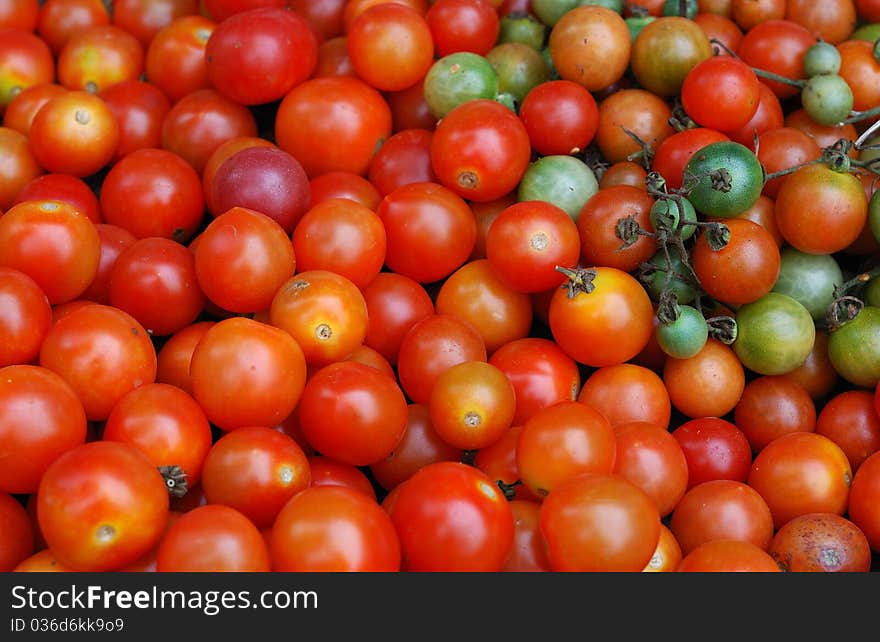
(176, 353)
(31, 396)
(395, 303)
(852, 421)
(25, 61)
(103, 353)
(644, 396)
(98, 57)
(863, 500)
(175, 61)
(721, 93)
(61, 19)
(247, 373)
(463, 25)
(255, 471)
(599, 523)
(329, 472)
(675, 152)
(352, 413)
(210, 539)
(403, 159)
(773, 406)
(560, 116)
(66, 188)
(165, 424)
(140, 109)
(480, 150)
(721, 510)
(714, 449)
(479, 539)
(333, 529)
(725, 556)
(19, 167)
(527, 553)
(24, 107)
(16, 533)
(101, 506)
(597, 226)
(144, 18)
(25, 317)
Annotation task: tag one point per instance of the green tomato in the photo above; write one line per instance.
(775, 334)
(874, 215)
(519, 67)
(728, 179)
(872, 293)
(635, 24)
(667, 208)
(523, 29)
(616, 6)
(457, 78)
(550, 11)
(672, 8)
(821, 58)
(854, 348)
(808, 279)
(827, 99)
(684, 337)
(684, 290)
(563, 181)
(869, 32)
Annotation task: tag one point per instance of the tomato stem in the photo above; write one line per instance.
(862, 115)
(769, 75)
(580, 280)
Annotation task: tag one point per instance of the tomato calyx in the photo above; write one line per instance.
(175, 480)
(723, 328)
(508, 490)
(847, 304)
(580, 280)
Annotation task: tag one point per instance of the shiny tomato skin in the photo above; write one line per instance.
(16, 533)
(714, 449)
(333, 529)
(101, 506)
(862, 507)
(25, 317)
(30, 396)
(479, 539)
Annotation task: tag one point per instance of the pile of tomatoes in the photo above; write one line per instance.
(484, 285)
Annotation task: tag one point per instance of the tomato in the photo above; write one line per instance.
(734, 89)
(638, 111)
(200, 122)
(604, 322)
(810, 279)
(145, 18)
(213, 538)
(333, 529)
(32, 394)
(24, 318)
(821, 542)
(726, 556)
(562, 441)
(24, 106)
(475, 294)
(219, 156)
(390, 46)
(857, 337)
(675, 151)
(479, 539)
(394, 304)
(74, 133)
(255, 471)
(409, 109)
(723, 179)
(17, 540)
(805, 204)
(766, 118)
(861, 71)
(667, 555)
(403, 159)
(354, 8)
(353, 413)
(19, 166)
(527, 241)
(706, 385)
(590, 45)
(801, 473)
(242, 259)
(242, 60)
(750, 13)
(599, 523)
(341, 236)
(21, 14)
(59, 20)
(53, 244)
(624, 173)
(246, 373)
(527, 553)
(721, 28)
(715, 449)
(816, 374)
(98, 57)
(324, 312)
(262, 178)
(165, 424)
(773, 406)
(175, 58)
(775, 334)
(430, 231)
(457, 79)
(343, 185)
(343, 110)
(777, 46)
(831, 21)
(139, 108)
(646, 399)
(665, 51)
(154, 280)
(66, 188)
(175, 355)
(324, 16)
(491, 150)
(541, 374)
(597, 225)
(329, 472)
(25, 61)
(862, 509)
(420, 446)
(850, 420)
(43, 562)
(650, 458)
(101, 506)
(462, 25)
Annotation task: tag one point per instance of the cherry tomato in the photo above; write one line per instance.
(851, 420)
(771, 407)
(821, 542)
(726, 556)
(646, 399)
(145, 18)
(394, 304)
(175, 58)
(17, 540)
(175, 355)
(24, 318)
(98, 57)
(329, 472)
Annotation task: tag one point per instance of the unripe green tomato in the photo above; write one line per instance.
(827, 99)
(684, 337)
(564, 181)
(821, 58)
(678, 216)
(457, 78)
